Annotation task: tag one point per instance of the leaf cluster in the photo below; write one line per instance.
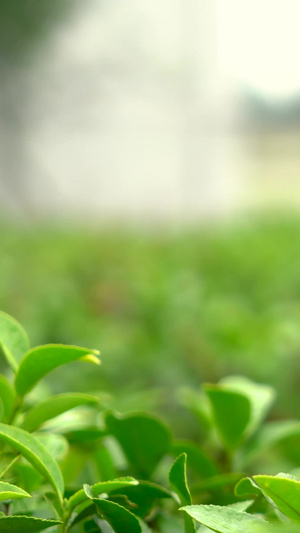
(69, 463)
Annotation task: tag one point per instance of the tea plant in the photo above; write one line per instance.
(68, 463)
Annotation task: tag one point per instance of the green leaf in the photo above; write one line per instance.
(144, 495)
(35, 453)
(231, 413)
(223, 519)
(25, 524)
(101, 488)
(247, 488)
(178, 482)
(11, 492)
(120, 519)
(41, 360)
(13, 340)
(143, 438)
(197, 459)
(284, 492)
(7, 396)
(260, 396)
(54, 406)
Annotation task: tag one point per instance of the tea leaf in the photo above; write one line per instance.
(284, 492)
(13, 340)
(231, 413)
(120, 519)
(144, 495)
(35, 453)
(25, 524)
(143, 438)
(247, 487)
(178, 482)
(223, 519)
(260, 396)
(11, 492)
(54, 406)
(41, 360)
(101, 488)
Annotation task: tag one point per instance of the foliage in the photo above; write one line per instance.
(67, 463)
(167, 308)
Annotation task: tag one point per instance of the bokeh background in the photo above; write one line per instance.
(150, 190)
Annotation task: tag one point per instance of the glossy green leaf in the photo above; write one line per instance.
(197, 459)
(284, 492)
(120, 519)
(231, 413)
(11, 492)
(7, 396)
(54, 406)
(143, 438)
(25, 524)
(247, 488)
(35, 453)
(101, 488)
(41, 360)
(178, 482)
(13, 340)
(144, 496)
(223, 519)
(260, 396)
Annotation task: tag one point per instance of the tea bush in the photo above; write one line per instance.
(70, 463)
(166, 307)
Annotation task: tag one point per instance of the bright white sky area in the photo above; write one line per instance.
(259, 43)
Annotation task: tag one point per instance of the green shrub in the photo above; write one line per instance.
(70, 463)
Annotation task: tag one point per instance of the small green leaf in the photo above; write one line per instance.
(7, 396)
(143, 438)
(144, 495)
(284, 492)
(197, 459)
(54, 406)
(35, 453)
(223, 519)
(25, 524)
(101, 488)
(247, 488)
(13, 340)
(260, 396)
(231, 412)
(11, 492)
(178, 482)
(120, 519)
(41, 360)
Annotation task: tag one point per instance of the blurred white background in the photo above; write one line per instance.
(161, 110)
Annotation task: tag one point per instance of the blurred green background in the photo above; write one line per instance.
(166, 309)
